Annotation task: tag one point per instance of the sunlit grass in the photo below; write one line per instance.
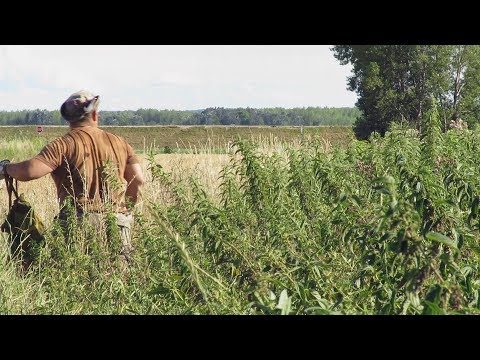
(266, 226)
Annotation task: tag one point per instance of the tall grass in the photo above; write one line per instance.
(21, 148)
(389, 226)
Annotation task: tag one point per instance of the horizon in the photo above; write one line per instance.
(196, 110)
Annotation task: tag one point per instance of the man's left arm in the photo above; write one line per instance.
(27, 170)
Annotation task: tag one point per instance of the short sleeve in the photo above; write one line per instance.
(52, 154)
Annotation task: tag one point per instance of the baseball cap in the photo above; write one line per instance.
(79, 105)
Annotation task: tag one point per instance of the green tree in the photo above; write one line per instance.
(397, 82)
(464, 71)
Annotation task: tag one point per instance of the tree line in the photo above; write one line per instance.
(400, 83)
(310, 116)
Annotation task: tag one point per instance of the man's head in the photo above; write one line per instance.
(79, 106)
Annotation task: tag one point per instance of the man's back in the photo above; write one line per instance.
(89, 164)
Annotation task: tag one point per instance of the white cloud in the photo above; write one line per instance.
(174, 76)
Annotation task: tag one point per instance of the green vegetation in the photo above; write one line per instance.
(177, 138)
(311, 116)
(389, 226)
(20, 147)
(397, 83)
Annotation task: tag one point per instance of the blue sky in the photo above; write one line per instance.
(180, 77)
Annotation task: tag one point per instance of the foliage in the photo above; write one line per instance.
(388, 226)
(310, 116)
(397, 82)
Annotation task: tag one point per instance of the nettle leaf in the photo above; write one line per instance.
(475, 248)
(475, 206)
(393, 204)
(434, 236)
(284, 303)
(432, 309)
(383, 191)
(356, 199)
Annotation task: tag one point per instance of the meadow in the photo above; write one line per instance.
(316, 223)
(189, 138)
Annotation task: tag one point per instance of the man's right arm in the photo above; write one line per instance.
(27, 170)
(134, 177)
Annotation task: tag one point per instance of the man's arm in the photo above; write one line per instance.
(28, 170)
(134, 176)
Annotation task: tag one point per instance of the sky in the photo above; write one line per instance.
(173, 77)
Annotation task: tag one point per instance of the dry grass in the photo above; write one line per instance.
(190, 137)
(203, 163)
(206, 168)
(41, 193)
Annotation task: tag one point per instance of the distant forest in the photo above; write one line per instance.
(310, 116)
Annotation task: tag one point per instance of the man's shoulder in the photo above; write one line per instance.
(92, 131)
(112, 135)
(97, 133)
(115, 136)
(65, 138)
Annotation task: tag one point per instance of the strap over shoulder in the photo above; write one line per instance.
(11, 188)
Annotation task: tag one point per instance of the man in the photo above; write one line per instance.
(85, 165)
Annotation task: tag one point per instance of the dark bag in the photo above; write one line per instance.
(23, 226)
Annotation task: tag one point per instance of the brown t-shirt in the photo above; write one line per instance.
(89, 165)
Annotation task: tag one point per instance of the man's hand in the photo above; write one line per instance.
(3, 164)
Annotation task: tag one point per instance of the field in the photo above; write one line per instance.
(277, 223)
(191, 138)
